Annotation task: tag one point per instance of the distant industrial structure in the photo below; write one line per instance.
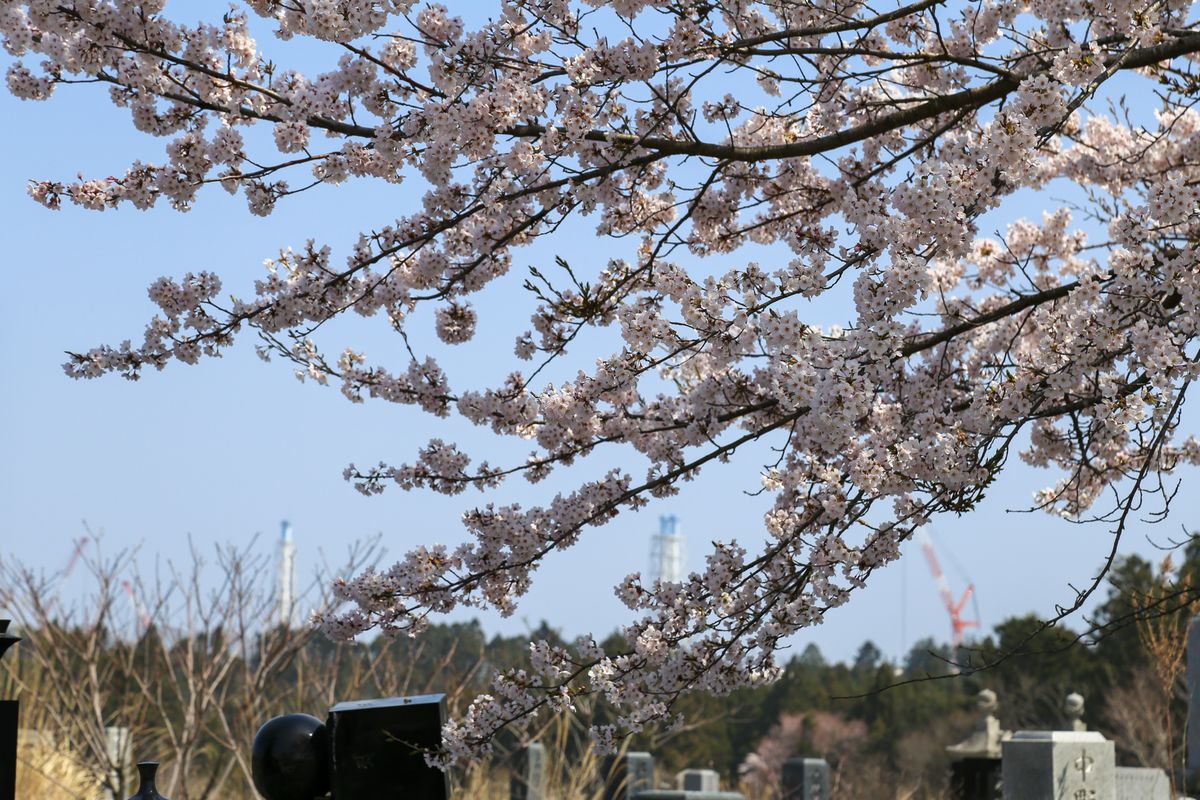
(958, 624)
(287, 575)
(666, 551)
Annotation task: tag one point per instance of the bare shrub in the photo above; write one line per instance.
(191, 660)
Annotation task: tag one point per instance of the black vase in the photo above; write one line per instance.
(146, 790)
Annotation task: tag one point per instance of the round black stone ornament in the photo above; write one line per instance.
(290, 758)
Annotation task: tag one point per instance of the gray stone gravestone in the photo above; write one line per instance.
(1058, 765)
(377, 748)
(528, 780)
(1193, 690)
(698, 780)
(805, 779)
(624, 776)
(1142, 783)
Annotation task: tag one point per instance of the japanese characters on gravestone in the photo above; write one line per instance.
(804, 779)
(1058, 765)
(528, 780)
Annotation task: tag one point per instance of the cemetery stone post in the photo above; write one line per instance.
(1193, 718)
(120, 757)
(624, 776)
(805, 779)
(528, 780)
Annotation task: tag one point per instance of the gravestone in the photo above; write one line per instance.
(975, 771)
(975, 779)
(377, 748)
(1058, 765)
(9, 718)
(1142, 783)
(698, 780)
(804, 779)
(624, 776)
(528, 781)
(1193, 690)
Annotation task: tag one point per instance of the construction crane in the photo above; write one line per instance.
(80, 543)
(958, 625)
(143, 615)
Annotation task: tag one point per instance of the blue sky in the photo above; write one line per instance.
(225, 449)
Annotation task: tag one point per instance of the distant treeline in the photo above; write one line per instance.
(193, 700)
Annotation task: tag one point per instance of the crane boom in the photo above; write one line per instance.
(143, 615)
(935, 567)
(80, 543)
(958, 624)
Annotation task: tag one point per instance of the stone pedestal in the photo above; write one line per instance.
(1058, 765)
(805, 779)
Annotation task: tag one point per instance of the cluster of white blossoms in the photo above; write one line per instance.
(853, 149)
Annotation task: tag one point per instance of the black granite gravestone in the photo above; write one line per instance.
(8, 728)
(378, 748)
(528, 781)
(975, 779)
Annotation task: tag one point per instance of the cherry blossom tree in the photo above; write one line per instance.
(857, 146)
